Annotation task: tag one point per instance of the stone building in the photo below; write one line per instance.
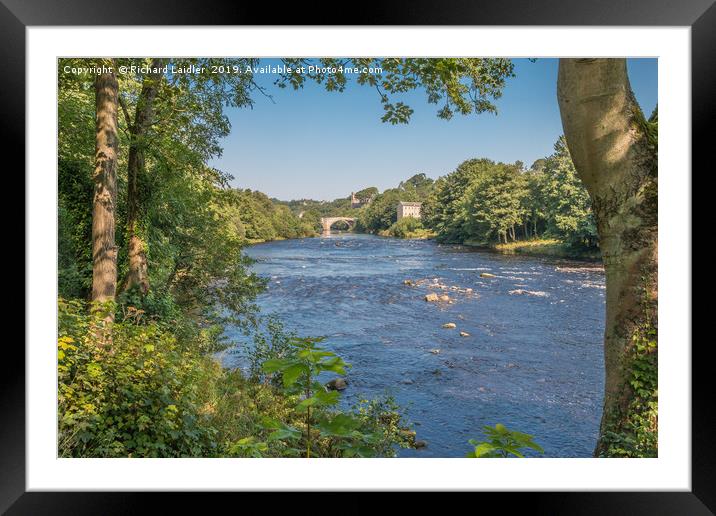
(409, 209)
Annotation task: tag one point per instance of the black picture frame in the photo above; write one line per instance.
(700, 15)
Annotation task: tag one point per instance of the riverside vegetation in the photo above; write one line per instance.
(544, 209)
(151, 269)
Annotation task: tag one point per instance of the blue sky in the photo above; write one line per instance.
(322, 145)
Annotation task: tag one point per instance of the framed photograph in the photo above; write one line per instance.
(422, 251)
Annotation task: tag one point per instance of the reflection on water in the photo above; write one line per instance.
(532, 361)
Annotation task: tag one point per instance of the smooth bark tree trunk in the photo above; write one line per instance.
(104, 250)
(137, 273)
(616, 159)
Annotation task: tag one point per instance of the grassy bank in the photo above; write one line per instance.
(419, 234)
(542, 247)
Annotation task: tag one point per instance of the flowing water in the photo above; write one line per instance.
(532, 361)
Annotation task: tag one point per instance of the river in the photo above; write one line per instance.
(532, 361)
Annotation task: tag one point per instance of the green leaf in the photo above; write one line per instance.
(336, 365)
(284, 433)
(484, 450)
(293, 372)
(275, 364)
(341, 425)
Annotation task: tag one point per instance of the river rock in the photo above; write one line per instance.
(449, 326)
(337, 384)
(419, 444)
(486, 275)
(408, 282)
(432, 298)
(464, 334)
(445, 298)
(435, 351)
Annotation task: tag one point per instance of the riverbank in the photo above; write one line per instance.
(546, 247)
(418, 234)
(551, 248)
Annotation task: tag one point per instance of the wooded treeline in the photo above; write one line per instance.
(485, 202)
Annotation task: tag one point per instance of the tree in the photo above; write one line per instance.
(382, 212)
(421, 184)
(481, 201)
(174, 123)
(104, 250)
(367, 193)
(534, 202)
(445, 212)
(137, 274)
(493, 203)
(568, 206)
(615, 153)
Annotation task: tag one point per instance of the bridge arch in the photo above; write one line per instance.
(327, 222)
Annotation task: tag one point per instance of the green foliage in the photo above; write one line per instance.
(502, 442)
(367, 193)
(135, 398)
(478, 201)
(298, 372)
(370, 429)
(74, 229)
(568, 209)
(257, 218)
(148, 394)
(419, 185)
(193, 246)
(487, 202)
(270, 342)
(310, 212)
(382, 212)
(407, 227)
(385, 421)
(636, 432)
(456, 85)
(493, 203)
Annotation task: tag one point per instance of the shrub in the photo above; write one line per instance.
(407, 227)
(317, 428)
(502, 443)
(143, 393)
(135, 396)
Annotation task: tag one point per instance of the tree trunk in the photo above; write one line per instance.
(616, 159)
(104, 250)
(137, 274)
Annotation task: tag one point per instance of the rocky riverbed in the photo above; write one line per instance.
(460, 337)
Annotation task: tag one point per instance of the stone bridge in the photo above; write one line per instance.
(327, 222)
